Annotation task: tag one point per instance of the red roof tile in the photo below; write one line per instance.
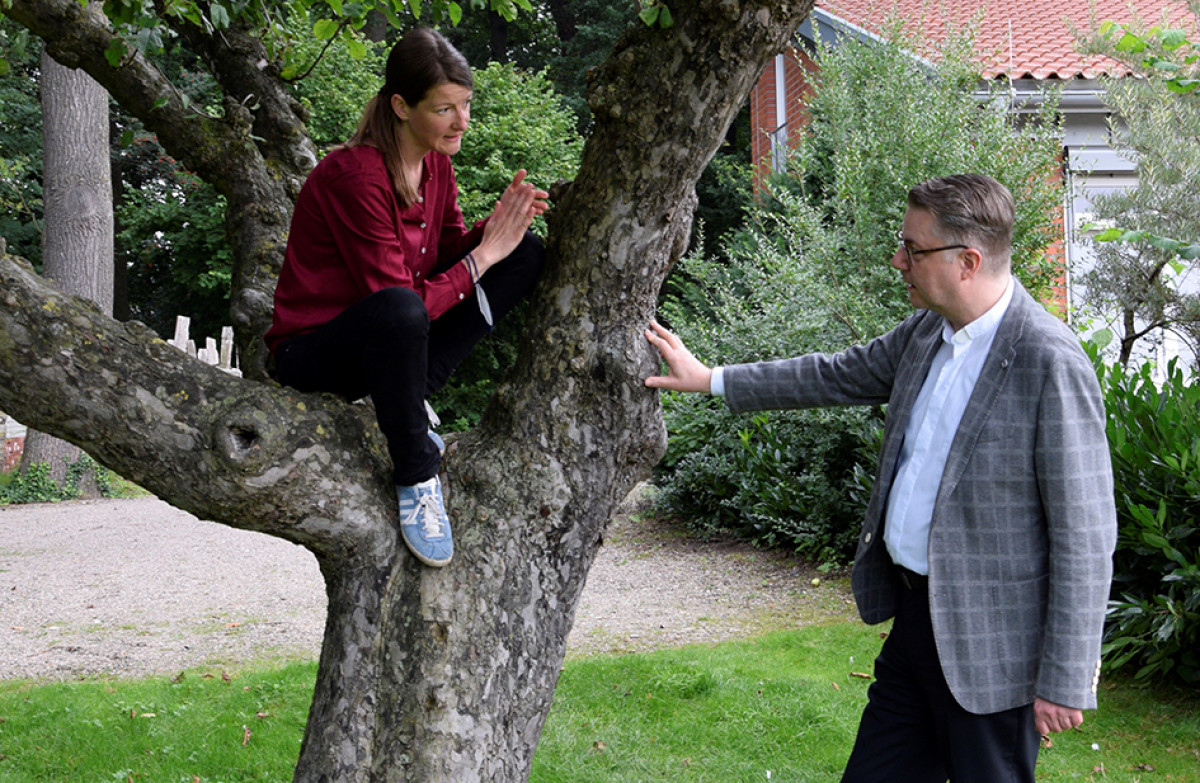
(1014, 38)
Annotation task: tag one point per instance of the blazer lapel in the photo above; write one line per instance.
(904, 396)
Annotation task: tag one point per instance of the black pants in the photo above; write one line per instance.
(385, 346)
(914, 731)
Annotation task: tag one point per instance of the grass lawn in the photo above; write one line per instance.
(786, 704)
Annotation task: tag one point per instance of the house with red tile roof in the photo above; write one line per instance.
(1025, 44)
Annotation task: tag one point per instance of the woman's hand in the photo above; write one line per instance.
(516, 209)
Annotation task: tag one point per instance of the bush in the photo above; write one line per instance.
(782, 482)
(517, 122)
(35, 485)
(1154, 437)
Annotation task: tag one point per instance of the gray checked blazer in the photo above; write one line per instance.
(1024, 524)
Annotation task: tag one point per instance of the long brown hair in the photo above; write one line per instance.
(419, 61)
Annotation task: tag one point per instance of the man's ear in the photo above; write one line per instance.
(972, 262)
(400, 107)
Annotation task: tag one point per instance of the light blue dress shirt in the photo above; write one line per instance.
(931, 428)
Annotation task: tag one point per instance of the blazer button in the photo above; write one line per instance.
(867, 538)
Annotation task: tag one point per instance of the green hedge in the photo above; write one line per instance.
(1153, 624)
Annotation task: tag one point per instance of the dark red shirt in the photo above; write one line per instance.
(350, 238)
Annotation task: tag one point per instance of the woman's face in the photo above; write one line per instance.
(438, 121)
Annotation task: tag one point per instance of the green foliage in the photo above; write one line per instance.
(517, 122)
(461, 402)
(724, 189)
(880, 123)
(810, 273)
(655, 12)
(1154, 438)
(782, 483)
(532, 42)
(1138, 283)
(35, 485)
(283, 28)
(173, 239)
(335, 86)
(20, 144)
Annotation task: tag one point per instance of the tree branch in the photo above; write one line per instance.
(257, 156)
(245, 453)
(78, 38)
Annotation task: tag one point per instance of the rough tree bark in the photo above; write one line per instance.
(78, 224)
(425, 674)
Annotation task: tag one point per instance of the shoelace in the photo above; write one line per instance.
(431, 526)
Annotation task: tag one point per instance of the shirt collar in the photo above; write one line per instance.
(983, 326)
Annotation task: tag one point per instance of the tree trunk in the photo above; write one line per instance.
(564, 20)
(78, 224)
(498, 37)
(426, 674)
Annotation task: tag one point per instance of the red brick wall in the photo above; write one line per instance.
(763, 115)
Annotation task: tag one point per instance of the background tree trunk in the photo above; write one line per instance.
(78, 225)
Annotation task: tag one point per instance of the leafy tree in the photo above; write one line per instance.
(1150, 278)
(811, 273)
(20, 143)
(427, 675)
(335, 86)
(173, 241)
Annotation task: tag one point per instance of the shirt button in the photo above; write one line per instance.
(422, 250)
(867, 538)
(462, 296)
(422, 225)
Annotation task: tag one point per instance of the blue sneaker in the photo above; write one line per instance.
(424, 525)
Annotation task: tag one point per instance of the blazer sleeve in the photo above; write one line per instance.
(860, 375)
(1074, 474)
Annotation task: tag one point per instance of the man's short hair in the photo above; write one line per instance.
(974, 210)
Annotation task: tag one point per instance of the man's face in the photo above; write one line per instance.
(932, 279)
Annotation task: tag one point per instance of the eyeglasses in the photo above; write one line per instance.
(910, 253)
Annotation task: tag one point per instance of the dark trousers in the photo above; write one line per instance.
(385, 346)
(914, 731)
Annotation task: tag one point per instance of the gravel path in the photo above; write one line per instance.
(134, 587)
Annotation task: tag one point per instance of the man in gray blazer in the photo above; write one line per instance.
(995, 485)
